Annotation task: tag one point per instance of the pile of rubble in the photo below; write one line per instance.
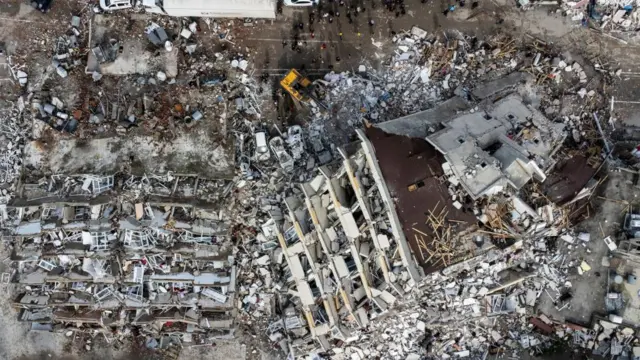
(608, 16)
(484, 305)
(428, 69)
(425, 70)
(472, 291)
(14, 133)
(67, 52)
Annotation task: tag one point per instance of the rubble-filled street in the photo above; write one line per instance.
(319, 179)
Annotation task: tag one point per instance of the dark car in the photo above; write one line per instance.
(631, 225)
(42, 5)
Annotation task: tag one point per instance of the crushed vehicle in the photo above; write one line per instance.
(323, 154)
(285, 160)
(295, 141)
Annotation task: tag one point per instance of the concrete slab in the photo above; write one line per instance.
(417, 125)
(136, 60)
(189, 154)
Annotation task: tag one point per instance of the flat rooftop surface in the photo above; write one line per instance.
(568, 179)
(405, 161)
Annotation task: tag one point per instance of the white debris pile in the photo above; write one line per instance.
(610, 15)
(484, 303)
(14, 134)
(609, 337)
(450, 319)
(424, 70)
(565, 68)
(399, 336)
(457, 316)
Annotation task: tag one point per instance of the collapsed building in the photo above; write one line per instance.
(88, 259)
(346, 257)
(443, 213)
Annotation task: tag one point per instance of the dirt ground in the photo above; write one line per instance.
(28, 35)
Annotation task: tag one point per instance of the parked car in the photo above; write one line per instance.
(285, 160)
(110, 5)
(42, 5)
(301, 2)
(262, 150)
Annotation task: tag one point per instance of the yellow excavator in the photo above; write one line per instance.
(301, 88)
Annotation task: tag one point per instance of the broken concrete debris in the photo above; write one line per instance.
(15, 129)
(609, 16)
(428, 69)
(344, 233)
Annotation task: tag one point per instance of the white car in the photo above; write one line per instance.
(285, 160)
(301, 2)
(262, 150)
(110, 5)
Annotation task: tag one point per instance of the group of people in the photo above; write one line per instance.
(327, 12)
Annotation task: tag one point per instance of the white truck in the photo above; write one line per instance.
(260, 9)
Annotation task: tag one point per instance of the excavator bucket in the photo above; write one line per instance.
(300, 88)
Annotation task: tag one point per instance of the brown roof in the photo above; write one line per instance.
(568, 179)
(405, 161)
